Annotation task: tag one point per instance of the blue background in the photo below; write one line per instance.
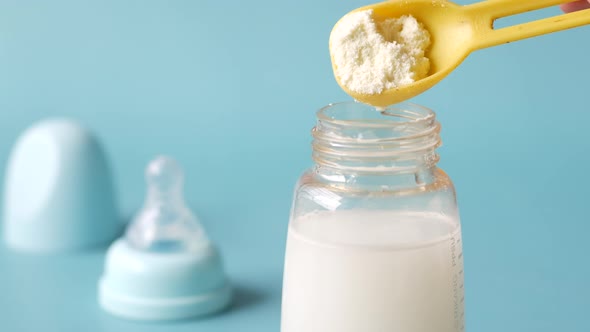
(230, 88)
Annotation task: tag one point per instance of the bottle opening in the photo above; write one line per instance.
(355, 136)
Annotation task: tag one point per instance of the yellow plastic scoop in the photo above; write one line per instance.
(456, 31)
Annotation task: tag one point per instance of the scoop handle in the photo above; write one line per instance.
(486, 12)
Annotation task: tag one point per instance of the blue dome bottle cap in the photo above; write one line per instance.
(59, 193)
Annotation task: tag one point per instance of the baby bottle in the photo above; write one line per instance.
(374, 239)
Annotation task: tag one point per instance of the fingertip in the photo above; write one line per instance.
(575, 6)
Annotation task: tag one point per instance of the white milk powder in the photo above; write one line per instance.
(371, 57)
(373, 271)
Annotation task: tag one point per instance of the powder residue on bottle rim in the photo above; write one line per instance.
(371, 57)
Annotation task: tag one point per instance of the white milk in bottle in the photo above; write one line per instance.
(352, 271)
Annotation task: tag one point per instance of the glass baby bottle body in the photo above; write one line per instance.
(374, 240)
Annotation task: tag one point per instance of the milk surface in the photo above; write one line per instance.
(373, 271)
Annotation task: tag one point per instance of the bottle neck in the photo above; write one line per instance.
(354, 142)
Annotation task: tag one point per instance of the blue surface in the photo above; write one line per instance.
(231, 93)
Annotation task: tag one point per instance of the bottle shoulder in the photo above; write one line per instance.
(314, 193)
(431, 180)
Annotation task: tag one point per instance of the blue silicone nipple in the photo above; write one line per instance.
(165, 223)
